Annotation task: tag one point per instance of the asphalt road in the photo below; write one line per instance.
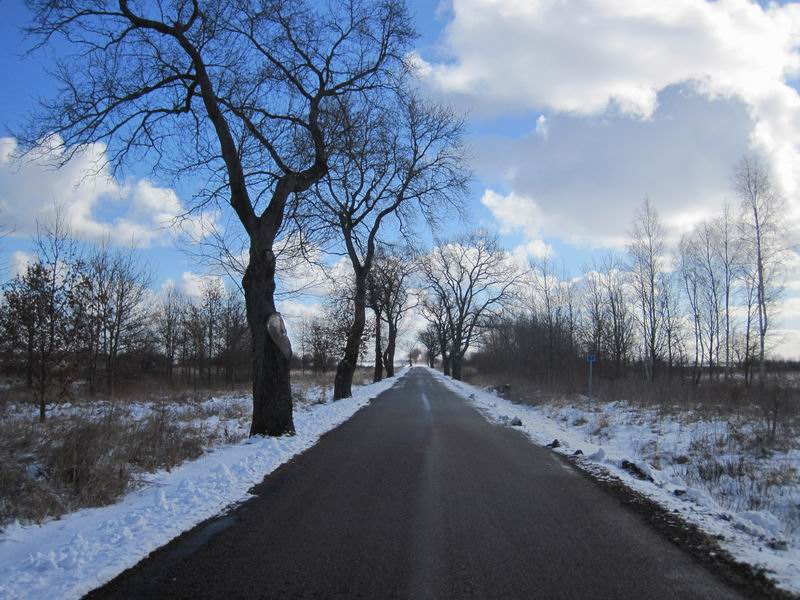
(418, 496)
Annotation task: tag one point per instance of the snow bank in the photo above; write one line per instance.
(83, 550)
(753, 537)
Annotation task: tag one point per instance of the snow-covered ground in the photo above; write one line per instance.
(68, 557)
(663, 448)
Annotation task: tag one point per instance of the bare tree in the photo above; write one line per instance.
(595, 332)
(397, 159)
(472, 277)
(693, 283)
(435, 309)
(321, 344)
(126, 313)
(194, 350)
(728, 250)
(167, 326)
(429, 338)
(763, 236)
(212, 296)
(672, 320)
(646, 249)
(238, 89)
(551, 301)
(413, 355)
(92, 298)
(620, 319)
(388, 283)
(234, 340)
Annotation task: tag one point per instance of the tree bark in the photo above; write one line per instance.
(272, 391)
(456, 366)
(343, 382)
(390, 348)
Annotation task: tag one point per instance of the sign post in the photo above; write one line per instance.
(591, 359)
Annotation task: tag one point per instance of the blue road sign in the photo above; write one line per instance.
(591, 358)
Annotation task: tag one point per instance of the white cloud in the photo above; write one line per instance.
(95, 204)
(583, 185)
(19, 262)
(514, 212)
(589, 57)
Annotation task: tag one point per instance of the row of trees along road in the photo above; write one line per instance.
(399, 158)
(389, 295)
(285, 108)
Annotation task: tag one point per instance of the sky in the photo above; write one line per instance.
(576, 112)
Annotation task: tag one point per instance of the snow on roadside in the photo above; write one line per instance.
(745, 534)
(67, 558)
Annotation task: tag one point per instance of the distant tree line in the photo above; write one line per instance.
(87, 315)
(701, 309)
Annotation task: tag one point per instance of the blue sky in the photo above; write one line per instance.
(575, 114)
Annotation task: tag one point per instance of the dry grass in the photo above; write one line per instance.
(91, 451)
(91, 458)
(316, 388)
(772, 413)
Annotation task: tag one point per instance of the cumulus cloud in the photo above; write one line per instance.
(532, 249)
(583, 184)
(591, 57)
(95, 204)
(514, 212)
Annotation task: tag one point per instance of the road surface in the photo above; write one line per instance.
(418, 496)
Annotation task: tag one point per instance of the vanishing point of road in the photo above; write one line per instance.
(417, 496)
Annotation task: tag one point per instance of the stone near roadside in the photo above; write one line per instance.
(554, 444)
(578, 452)
(635, 470)
(516, 422)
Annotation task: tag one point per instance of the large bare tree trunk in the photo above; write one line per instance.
(272, 391)
(390, 349)
(455, 359)
(343, 383)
